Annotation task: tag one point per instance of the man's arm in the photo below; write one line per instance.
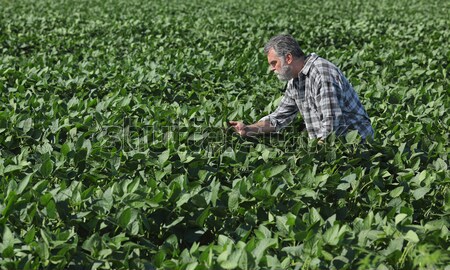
(328, 106)
(280, 118)
(258, 128)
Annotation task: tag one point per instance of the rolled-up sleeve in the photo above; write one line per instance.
(284, 114)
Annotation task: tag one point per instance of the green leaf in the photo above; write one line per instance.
(261, 248)
(8, 237)
(314, 216)
(65, 149)
(24, 183)
(331, 236)
(29, 236)
(420, 192)
(294, 251)
(8, 252)
(274, 263)
(90, 244)
(43, 250)
(125, 218)
(276, 170)
(440, 165)
(200, 221)
(399, 218)
(12, 168)
(163, 157)
(243, 262)
(215, 187)
(192, 266)
(396, 192)
(27, 125)
(261, 194)
(263, 232)
(232, 260)
(106, 202)
(80, 156)
(45, 198)
(159, 258)
(175, 222)
(436, 224)
(411, 236)
(395, 245)
(282, 225)
(352, 137)
(183, 199)
(308, 193)
(199, 201)
(133, 186)
(368, 234)
(233, 200)
(46, 168)
(51, 209)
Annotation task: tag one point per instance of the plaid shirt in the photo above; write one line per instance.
(326, 100)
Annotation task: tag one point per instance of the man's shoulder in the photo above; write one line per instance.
(319, 62)
(322, 67)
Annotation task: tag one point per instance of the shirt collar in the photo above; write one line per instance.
(308, 63)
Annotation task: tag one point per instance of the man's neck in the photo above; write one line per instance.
(298, 65)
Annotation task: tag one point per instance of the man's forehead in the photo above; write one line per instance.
(271, 54)
(271, 51)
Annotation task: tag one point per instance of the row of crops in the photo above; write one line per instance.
(115, 154)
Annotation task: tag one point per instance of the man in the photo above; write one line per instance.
(316, 88)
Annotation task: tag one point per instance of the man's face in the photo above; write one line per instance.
(279, 66)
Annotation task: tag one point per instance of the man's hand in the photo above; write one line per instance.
(239, 127)
(258, 128)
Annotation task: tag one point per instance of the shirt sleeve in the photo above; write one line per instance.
(328, 108)
(284, 114)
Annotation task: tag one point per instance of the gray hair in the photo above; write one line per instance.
(284, 45)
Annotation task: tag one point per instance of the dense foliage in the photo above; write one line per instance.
(114, 152)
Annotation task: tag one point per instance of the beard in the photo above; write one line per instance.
(285, 72)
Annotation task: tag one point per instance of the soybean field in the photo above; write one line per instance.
(115, 152)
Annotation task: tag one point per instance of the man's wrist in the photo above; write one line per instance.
(249, 131)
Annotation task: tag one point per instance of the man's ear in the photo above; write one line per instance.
(289, 58)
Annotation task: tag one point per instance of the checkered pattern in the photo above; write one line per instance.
(326, 100)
